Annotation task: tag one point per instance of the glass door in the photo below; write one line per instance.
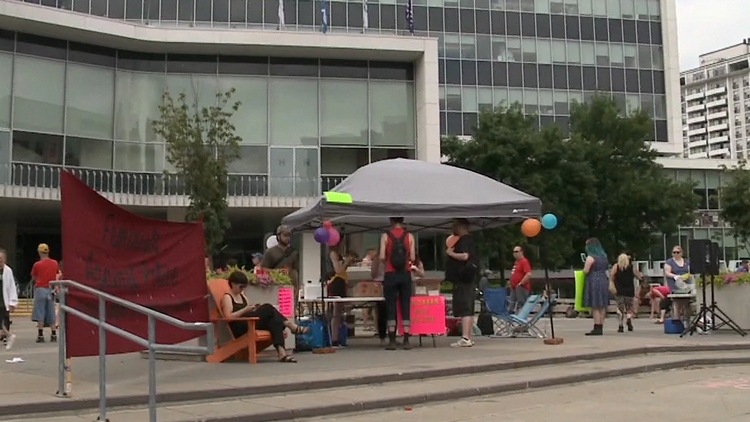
(294, 171)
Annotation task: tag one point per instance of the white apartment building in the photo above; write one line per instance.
(716, 104)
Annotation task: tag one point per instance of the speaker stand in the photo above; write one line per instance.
(715, 313)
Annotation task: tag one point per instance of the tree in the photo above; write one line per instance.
(201, 143)
(602, 180)
(735, 200)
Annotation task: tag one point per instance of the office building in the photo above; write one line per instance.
(716, 104)
(87, 78)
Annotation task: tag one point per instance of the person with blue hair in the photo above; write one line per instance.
(596, 293)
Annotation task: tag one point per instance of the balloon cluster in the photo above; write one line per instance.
(532, 227)
(327, 234)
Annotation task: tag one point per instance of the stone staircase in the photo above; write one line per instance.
(24, 308)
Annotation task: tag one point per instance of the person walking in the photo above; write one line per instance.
(596, 293)
(397, 251)
(520, 280)
(8, 299)
(43, 272)
(623, 276)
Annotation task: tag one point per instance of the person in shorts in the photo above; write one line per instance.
(43, 272)
(460, 269)
(8, 299)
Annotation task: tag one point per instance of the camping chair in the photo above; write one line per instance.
(228, 347)
(525, 327)
(496, 301)
(516, 322)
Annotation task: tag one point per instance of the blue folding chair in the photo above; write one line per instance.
(496, 301)
(509, 323)
(526, 327)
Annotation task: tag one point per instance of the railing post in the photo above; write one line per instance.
(151, 368)
(102, 361)
(62, 368)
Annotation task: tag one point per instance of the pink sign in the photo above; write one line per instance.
(427, 316)
(286, 301)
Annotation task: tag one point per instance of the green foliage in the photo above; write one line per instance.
(735, 200)
(201, 143)
(601, 180)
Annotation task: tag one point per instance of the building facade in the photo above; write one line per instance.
(87, 78)
(716, 104)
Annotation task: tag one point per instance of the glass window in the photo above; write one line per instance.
(199, 90)
(4, 157)
(6, 85)
(515, 96)
(342, 161)
(468, 47)
(343, 112)
(588, 56)
(541, 6)
(546, 103)
(631, 56)
(499, 49)
(484, 47)
(137, 100)
(616, 55)
(306, 172)
(531, 101)
(574, 52)
(88, 153)
(600, 8)
(529, 51)
(500, 97)
(253, 160)
(561, 102)
(514, 49)
(660, 106)
(644, 56)
(654, 9)
(558, 51)
(575, 97)
(392, 113)
(90, 116)
(543, 51)
(484, 98)
(251, 120)
(452, 46)
(602, 54)
(627, 8)
(469, 99)
(139, 157)
(281, 171)
(613, 9)
(641, 9)
(585, 8)
(658, 57)
(37, 148)
(294, 112)
(633, 103)
(39, 94)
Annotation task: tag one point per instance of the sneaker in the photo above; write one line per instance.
(40, 339)
(9, 341)
(620, 329)
(630, 325)
(53, 338)
(392, 345)
(464, 342)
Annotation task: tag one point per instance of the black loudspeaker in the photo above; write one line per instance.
(704, 257)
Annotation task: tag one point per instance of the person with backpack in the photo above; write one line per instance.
(397, 251)
(461, 268)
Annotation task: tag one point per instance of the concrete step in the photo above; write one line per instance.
(285, 406)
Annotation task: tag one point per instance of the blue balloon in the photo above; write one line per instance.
(549, 221)
(322, 235)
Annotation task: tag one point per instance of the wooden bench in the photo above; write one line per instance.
(228, 347)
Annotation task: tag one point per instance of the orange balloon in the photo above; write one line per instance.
(451, 241)
(531, 227)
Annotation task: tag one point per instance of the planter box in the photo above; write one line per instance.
(732, 299)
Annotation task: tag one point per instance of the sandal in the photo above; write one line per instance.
(301, 330)
(288, 359)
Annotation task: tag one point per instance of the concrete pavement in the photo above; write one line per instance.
(29, 386)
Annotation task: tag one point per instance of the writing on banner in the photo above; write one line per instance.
(286, 301)
(427, 316)
(153, 263)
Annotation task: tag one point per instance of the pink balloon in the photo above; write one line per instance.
(333, 237)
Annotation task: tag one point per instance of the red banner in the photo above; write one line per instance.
(154, 263)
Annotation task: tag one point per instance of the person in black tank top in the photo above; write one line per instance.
(235, 305)
(623, 275)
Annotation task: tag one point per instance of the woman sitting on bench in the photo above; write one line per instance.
(236, 305)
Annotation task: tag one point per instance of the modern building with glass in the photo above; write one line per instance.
(82, 81)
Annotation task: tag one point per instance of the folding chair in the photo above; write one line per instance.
(525, 327)
(496, 301)
(518, 321)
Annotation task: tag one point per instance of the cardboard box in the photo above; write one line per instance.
(366, 289)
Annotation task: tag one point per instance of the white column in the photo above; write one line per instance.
(309, 259)
(427, 104)
(176, 215)
(671, 79)
(8, 234)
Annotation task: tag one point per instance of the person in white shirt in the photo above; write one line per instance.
(8, 299)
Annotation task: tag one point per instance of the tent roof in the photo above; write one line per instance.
(427, 195)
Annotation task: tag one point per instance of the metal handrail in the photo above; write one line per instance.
(149, 343)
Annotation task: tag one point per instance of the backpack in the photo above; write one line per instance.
(399, 256)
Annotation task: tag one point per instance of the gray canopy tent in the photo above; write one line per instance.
(427, 195)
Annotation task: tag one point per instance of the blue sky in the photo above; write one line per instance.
(707, 25)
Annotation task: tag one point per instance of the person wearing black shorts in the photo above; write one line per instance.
(460, 269)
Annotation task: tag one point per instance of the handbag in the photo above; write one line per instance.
(612, 288)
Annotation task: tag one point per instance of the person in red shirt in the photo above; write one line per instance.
(520, 280)
(43, 272)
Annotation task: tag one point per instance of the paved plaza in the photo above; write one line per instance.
(347, 377)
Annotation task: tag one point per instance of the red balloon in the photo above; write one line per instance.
(531, 227)
(327, 224)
